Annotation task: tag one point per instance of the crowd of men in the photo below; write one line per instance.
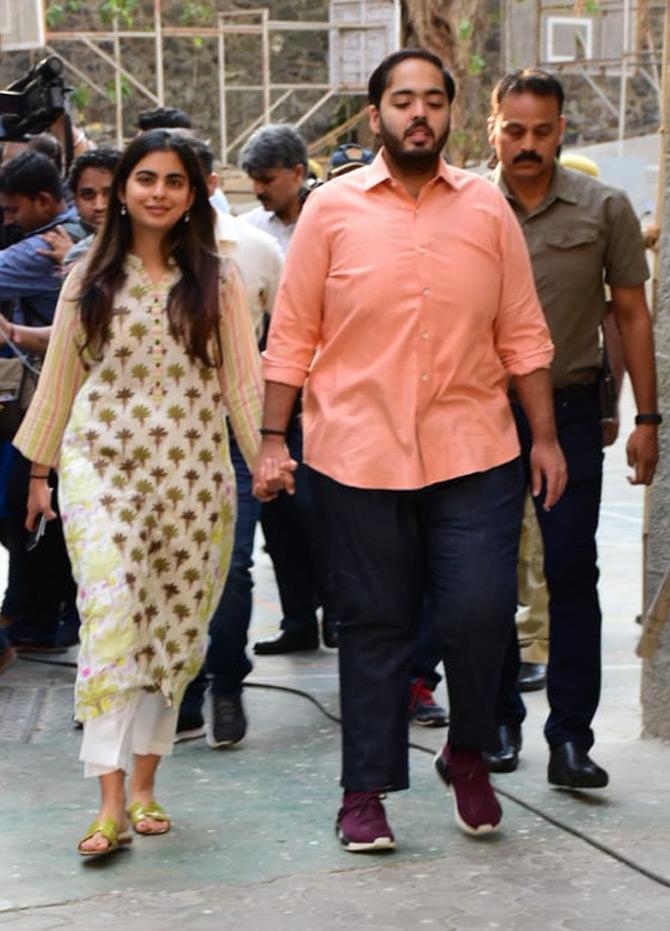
(447, 330)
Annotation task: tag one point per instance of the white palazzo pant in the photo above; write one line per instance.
(144, 725)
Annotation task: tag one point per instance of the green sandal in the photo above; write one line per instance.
(109, 829)
(138, 811)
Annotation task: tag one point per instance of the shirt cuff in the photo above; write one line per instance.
(529, 362)
(284, 374)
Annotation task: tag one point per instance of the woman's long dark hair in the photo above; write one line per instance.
(193, 303)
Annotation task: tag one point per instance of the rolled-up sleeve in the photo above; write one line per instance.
(295, 329)
(522, 337)
(40, 435)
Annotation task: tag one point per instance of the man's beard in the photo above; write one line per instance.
(418, 160)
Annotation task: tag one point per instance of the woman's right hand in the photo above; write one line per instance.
(39, 502)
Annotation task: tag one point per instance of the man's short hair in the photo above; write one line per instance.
(48, 145)
(203, 153)
(527, 81)
(163, 118)
(380, 76)
(30, 174)
(104, 158)
(276, 145)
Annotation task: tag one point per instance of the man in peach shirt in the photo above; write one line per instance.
(406, 303)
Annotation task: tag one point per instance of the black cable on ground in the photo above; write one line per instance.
(550, 819)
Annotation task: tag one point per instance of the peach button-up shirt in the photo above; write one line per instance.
(404, 319)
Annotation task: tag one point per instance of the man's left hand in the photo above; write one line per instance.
(642, 454)
(547, 465)
(59, 242)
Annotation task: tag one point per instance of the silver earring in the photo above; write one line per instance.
(124, 210)
(187, 217)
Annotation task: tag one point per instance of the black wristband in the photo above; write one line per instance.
(648, 418)
(268, 431)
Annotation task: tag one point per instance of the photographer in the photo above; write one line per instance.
(40, 595)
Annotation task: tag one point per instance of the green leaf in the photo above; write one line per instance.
(81, 96)
(476, 64)
(465, 29)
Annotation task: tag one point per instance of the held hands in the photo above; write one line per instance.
(547, 465)
(273, 470)
(39, 502)
(642, 454)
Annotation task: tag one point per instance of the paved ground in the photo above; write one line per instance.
(253, 844)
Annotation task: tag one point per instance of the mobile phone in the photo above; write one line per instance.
(37, 533)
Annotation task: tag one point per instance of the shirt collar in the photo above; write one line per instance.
(378, 172)
(65, 216)
(562, 186)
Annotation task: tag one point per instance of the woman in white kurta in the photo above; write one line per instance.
(152, 346)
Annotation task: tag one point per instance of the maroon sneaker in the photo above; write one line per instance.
(361, 823)
(476, 808)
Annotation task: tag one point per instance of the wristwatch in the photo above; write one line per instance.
(648, 418)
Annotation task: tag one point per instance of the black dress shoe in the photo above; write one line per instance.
(532, 677)
(506, 759)
(570, 766)
(288, 641)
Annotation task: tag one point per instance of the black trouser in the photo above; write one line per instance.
(457, 541)
(41, 589)
(570, 565)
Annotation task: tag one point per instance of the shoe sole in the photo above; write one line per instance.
(435, 722)
(193, 734)
(532, 687)
(378, 844)
(441, 771)
(222, 744)
(557, 784)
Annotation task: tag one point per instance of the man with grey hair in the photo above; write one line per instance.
(275, 158)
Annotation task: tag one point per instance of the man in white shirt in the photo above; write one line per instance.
(275, 158)
(259, 261)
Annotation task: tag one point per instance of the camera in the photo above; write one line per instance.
(31, 104)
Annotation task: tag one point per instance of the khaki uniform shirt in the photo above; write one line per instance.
(582, 236)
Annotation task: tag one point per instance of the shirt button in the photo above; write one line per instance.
(426, 291)
(422, 251)
(425, 335)
(424, 377)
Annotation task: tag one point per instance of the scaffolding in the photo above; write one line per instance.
(256, 22)
(630, 23)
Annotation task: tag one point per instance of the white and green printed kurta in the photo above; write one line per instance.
(146, 488)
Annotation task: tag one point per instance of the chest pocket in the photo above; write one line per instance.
(575, 255)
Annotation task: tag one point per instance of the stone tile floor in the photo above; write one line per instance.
(253, 845)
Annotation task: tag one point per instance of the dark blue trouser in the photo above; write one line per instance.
(570, 565)
(227, 661)
(457, 540)
(293, 544)
(428, 653)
